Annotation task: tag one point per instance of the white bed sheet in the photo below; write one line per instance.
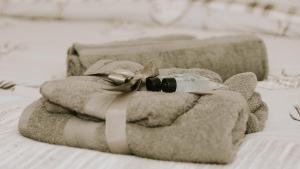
(40, 55)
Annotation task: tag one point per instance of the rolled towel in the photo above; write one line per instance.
(167, 126)
(227, 56)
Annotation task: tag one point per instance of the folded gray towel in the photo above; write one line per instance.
(167, 126)
(226, 56)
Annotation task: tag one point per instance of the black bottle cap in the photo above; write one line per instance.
(153, 84)
(169, 85)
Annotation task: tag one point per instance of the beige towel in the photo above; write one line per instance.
(228, 55)
(166, 126)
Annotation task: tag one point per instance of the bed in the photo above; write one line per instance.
(34, 50)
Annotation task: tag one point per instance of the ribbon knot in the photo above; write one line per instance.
(126, 81)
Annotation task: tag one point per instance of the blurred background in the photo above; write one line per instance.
(35, 34)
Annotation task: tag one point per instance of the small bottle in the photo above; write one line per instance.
(169, 85)
(189, 82)
(186, 82)
(153, 84)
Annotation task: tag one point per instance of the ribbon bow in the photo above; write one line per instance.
(126, 81)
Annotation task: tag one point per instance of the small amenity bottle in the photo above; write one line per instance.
(186, 82)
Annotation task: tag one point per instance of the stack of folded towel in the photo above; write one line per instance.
(175, 126)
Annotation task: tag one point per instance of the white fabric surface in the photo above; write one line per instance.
(35, 51)
(277, 147)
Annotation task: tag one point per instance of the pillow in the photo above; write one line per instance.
(275, 17)
(74, 9)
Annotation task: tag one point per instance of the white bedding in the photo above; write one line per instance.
(277, 17)
(32, 52)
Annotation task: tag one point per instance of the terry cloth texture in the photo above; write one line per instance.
(227, 56)
(166, 126)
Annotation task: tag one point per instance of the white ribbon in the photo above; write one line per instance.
(115, 124)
